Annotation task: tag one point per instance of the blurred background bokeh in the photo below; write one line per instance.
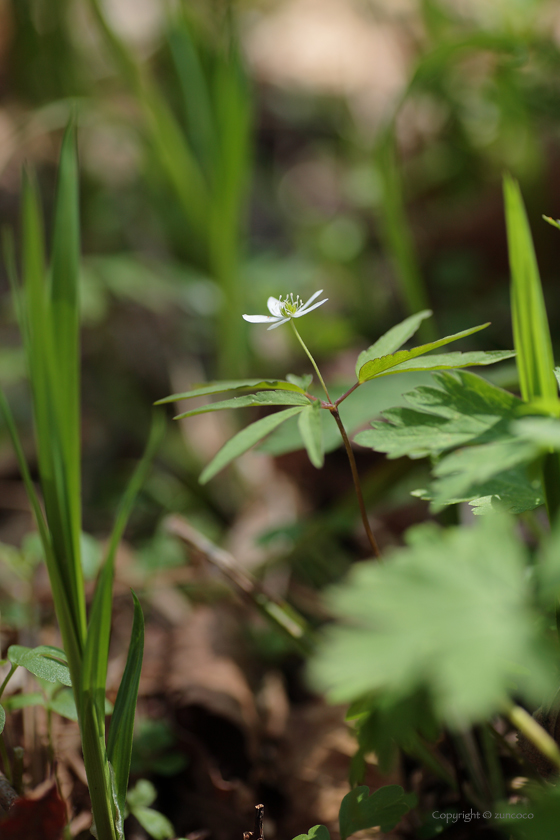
(232, 151)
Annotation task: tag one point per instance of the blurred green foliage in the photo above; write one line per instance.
(208, 186)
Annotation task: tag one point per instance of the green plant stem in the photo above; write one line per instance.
(312, 360)
(7, 680)
(332, 407)
(534, 732)
(356, 478)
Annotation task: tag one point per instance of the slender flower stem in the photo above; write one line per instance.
(357, 485)
(312, 360)
(7, 680)
(332, 407)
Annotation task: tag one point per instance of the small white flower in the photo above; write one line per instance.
(282, 311)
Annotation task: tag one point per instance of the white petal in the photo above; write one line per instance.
(259, 319)
(312, 298)
(274, 307)
(305, 311)
(279, 324)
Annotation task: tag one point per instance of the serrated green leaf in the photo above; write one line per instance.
(375, 367)
(311, 430)
(121, 730)
(318, 832)
(40, 664)
(462, 408)
(393, 339)
(531, 333)
(513, 490)
(359, 810)
(452, 361)
(244, 440)
(2, 718)
(265, 398)
(206, 389)
(448, 615)
(465, 474)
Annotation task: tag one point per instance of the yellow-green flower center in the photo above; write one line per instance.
(289, 305)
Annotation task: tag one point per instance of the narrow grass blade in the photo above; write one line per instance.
(173, 154)
(121, 730)
(196, 96)
(531, 333)
(96, 651)
(64, 283)
(396, 232)
(62, 351)
(72, 643)
(91, 703)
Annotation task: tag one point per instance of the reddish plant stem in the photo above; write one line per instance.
(356, 478)
(347, 394)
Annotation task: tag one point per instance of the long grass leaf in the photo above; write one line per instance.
(397, 234)
(121, 730)
(72, 642)
(531, 333)
(97, 644)
(64, 357)
(196, 96)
